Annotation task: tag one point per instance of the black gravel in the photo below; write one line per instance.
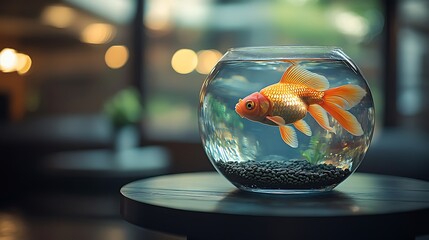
(293, 174)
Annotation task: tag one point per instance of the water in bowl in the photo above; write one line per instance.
(253, 156)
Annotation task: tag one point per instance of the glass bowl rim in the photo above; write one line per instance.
(285, 47)
(284, 52)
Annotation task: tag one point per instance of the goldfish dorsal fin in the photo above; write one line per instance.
(298, 75)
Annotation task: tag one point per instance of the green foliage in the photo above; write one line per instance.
(124, 108)
(220, 113)
(316, 151)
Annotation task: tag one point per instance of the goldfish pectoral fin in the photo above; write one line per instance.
(319, 114)
(298, 75)
(303, 127)
(347, 120)
(289, 136)
(277, 120)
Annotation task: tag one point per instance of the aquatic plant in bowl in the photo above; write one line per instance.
(286, 119)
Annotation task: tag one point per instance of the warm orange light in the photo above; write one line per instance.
(23, 64)
(8, 60)
(116, 56)
(207, 59)
(58, 16)
(158, 15)
(184, 61)
(97, 33)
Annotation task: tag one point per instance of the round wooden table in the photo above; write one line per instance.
(207, 206)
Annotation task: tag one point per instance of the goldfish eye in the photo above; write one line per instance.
(250, 105)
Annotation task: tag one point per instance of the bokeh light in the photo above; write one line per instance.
(116, 56)
(158, 15)
(352, 24)
(98, 33)
(207, 59)
(58, 16)
(8, 60)
(11, 60)
(184, 61)
(23, 63)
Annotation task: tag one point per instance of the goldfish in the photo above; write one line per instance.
(299, 92)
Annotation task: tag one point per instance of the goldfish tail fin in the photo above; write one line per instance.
(346, 96)
(338, 100)
(319, 114)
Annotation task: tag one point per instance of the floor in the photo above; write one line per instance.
(52, 216)
(15, 225)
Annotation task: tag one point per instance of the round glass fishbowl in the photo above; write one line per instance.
(286, 119)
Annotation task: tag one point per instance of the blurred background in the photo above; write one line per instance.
(95, 94)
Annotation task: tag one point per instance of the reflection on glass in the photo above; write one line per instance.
(12, 227)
